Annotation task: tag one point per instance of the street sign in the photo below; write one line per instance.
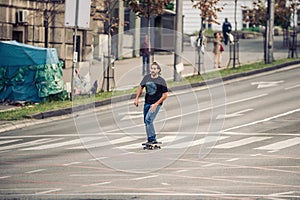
(77, 13)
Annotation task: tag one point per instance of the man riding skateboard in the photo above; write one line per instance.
(156, 94)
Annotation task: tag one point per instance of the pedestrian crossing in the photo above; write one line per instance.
(125, 142)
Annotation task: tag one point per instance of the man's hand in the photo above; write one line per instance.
(153, 108)
(136, 102)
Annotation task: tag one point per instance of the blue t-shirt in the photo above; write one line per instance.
(155, 87)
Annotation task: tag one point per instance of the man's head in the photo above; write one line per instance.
(155, 69)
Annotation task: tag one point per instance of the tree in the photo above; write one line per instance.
(209, 12)
(258, 15)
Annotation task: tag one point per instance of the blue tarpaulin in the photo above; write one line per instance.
(29, 73)
(13, 53)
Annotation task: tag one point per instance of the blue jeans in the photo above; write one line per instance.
(145, 67)
(148, 120)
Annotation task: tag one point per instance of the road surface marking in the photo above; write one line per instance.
(165, 140)
(240, 142)
(49, 191)
(206, 139)
(210, 164)
(281, 145)
(233, 159)
(231, 115)
(265, 84)
(72, 163)
(35, 171)
(25, 144)
(292, 87)
(264, 120)
(182, 170)
(96, 184)
(106, 143)
(194, 112)
(7, 141)
(3, 177)
(60, 144)
(144, 177)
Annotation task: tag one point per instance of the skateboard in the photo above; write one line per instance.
(150, 146)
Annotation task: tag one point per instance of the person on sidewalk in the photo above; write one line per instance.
(156, 94)
(145, 53)
(226, 28)
(217, 50)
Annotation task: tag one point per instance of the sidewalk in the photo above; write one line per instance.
(128, 72)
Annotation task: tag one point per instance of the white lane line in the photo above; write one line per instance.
(264, 120)
(7, 141)
(210, 164)
(182, 170)
(25, 144)
(233, 159)
(60, 144)
(96, 184)
(165, 140)
(292, 87)
(35, 171)
(206, 139)
(3, 177)
(72, 163)
(105, 143)
(49, 191)
(241, 142)
(144, 177)
(281, 145)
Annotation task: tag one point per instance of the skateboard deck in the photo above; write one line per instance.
(150, 146)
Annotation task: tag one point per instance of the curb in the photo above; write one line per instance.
(55, 113)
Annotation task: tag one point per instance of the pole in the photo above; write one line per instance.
(178, 39)
(74, 50)
(235, 35)
(269, 33)
(46, 25)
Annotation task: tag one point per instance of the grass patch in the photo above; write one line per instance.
(23, 112)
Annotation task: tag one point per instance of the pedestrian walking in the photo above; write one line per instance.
(217, 50)
(156, 94)
(226, 28)
(145, 53)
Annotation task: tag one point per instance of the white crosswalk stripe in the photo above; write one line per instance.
(241, 142)
(26, 144)
(196, 142)
(7, 141)
(281, 145)
(130, 142)
(164, 140)
(55, 145)
(105, 143)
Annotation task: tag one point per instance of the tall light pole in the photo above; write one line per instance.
(178, 39)
(269, 37)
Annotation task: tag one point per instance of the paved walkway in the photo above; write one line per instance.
(128, 71)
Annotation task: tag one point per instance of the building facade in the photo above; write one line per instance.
(41, 23)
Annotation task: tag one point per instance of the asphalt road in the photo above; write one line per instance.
(233, 140)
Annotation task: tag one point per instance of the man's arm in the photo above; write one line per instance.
(137, 96)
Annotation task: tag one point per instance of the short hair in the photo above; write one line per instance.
(158, 66)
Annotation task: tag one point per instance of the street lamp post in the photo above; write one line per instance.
(234, 48)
